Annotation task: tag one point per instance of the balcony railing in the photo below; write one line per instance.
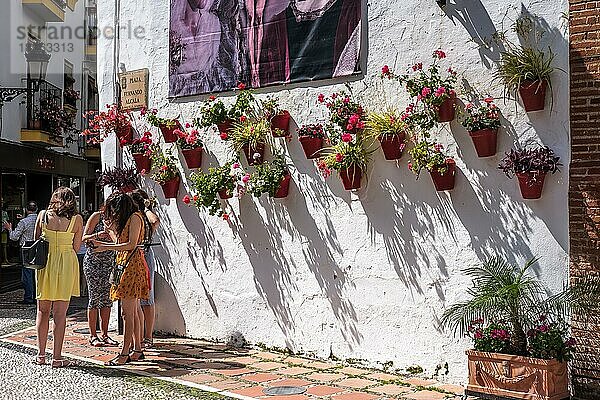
(45, 116)
(48, 10)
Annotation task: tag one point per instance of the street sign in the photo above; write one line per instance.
(134, 89)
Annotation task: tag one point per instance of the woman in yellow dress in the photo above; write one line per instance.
(62, 227)
(126, 227)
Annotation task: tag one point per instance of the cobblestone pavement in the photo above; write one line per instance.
(204, 368)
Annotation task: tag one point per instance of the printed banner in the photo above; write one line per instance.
(215, 44)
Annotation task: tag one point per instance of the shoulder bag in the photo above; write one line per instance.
(34, 253)
(117, 270)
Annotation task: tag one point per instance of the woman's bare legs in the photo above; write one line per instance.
(104, 319)
(42, 322)
(128, 310)
(59, 314)
(148, 312)
(92, 321)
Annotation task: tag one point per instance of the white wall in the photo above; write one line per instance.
(365, 275)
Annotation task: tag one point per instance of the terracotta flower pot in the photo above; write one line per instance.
(351, 177)
(168, 132)
(444, 181)
(533, 94)
(142, 162)
(311, 146)
(516, 377)
(125, 133)
(170, 188)
(224, 127)
(392, 145)
(284, 187)
(128, 189)
(280, 124)
(225, 194)
(446, 111)
(484, 141)
(193, 157)
(254, 155)
(531, 184)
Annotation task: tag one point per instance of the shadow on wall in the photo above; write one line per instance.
(169, 318)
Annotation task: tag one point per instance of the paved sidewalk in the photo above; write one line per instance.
(245, 373)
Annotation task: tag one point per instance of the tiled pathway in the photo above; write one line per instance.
(245, 373)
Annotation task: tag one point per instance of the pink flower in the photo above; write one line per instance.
(439, 54)
(186, 199)
(241, 86)
(321, 97)
(478, 335)
(410, 166)
(346, 100)
(346, 137)
(440, 91)
(385, 70)
(187, 125)
(468, 106)
(360, 125)
(224, 136)
(236, 165)
(438, 147)
(425, 92)
(543, 328)
(354, 118)
(349, 127)
(339, 157)
(164, 168)
(212, 98)
(246, 178)
(143, 111)
(179, 133)
(143, 172)
(489, 100)
(417, 67)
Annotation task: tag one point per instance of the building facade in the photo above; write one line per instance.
(359, 275)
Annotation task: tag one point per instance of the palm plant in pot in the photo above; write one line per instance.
(520, 335)
(482, 122)
(141, 150)
(280, 119)
(429, 155)
(272, 178)
(311, 138)
(191, 147)
(167, 126)
(119, 179)
(219, 182)
(390, 129)
(250, 137)
(166, 173)
(530, 165)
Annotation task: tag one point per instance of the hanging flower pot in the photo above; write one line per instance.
(392, 145)
(124, 133)
(142, 162)
(193, 157)
(168, 131)
(225, 194)
(170, 188)
(484, 141)
(531, 184)
(444, 181)
(280, 124)
(446, 111)
(254, 154)
(533, 94)
(224, 127)
(351, 177)
(128, 189)
(311, 146)
(284, 187)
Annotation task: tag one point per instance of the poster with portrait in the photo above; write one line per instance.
(215, 44)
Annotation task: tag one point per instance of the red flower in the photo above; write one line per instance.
(179, 133)
(164, 168)
(439, 54)
(241, 86)
(346, 137)
(187, 125)
(243, 118)
(223, 136)
(360, 125)
(385, 71)
(123, 142)
(321, 97)
(186, 199)
(339, 157)
(489, 100)
(226, 217)
(212, 98)
(349, 127)
(143, 172)
(195, 197)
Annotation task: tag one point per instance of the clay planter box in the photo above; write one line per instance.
(311, 146)
(168, 132)
(533, 95)
(284, 187)
(351, 177)
(446, 111)
(391, 145)
(516, 377)
(193, 157)
(485, 141)
(280, 124)
(142, 162)
(170, 188)
(224, 127)
(224, 194)
(530, 189)
(125, 133)
(250, 152)
(445, 181)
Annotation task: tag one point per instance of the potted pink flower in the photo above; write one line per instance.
(441, 167)
(482, 122)
(141, 151)
(191, 147)
(166, 173)
(311, 138)
(113, 120)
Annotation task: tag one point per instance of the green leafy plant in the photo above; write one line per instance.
(427, 155)
(244, 103)
(346, 151)
(344, 112)
(547, 341)
(164, 166)
(486, 116)
(270, 108)
(508, 294)
(312, 130)
(268, 176)
(142, 145)
(523, 63)
(206, 186)
(212, 112)
(388, 123)
(249, 132)
(154, 120)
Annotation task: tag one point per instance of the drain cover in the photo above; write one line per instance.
(284, 390)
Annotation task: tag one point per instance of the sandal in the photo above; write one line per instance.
(116, 362)
(138, 358)
(40, 359)
(147, 343)
(61, 363)
(108, 341)
(96, 342)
